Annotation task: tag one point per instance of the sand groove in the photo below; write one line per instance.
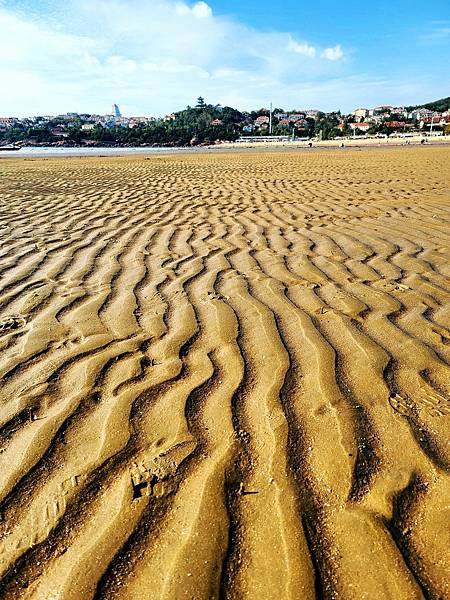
(225, 376)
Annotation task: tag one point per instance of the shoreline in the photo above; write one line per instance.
(36, 152)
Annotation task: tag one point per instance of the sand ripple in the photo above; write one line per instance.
(225, 377)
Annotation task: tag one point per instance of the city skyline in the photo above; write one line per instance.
(155, 57)
(116, 113)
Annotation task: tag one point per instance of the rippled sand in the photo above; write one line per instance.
(225, 376)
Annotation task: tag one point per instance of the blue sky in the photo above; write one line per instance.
(156, 56)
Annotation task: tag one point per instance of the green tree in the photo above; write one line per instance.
(438, 105)
(200, 103)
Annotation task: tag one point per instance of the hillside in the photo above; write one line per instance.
(439, 105)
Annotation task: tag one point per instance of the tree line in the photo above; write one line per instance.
(201, 124)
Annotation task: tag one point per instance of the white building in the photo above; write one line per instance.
(421, 113)
(116, 112)
(361, 113)
(384, 109)
(361, 126)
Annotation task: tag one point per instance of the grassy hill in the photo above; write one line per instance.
(439, 105)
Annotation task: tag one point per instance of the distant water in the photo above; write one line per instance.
(49, 151)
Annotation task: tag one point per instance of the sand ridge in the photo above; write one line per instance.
(225, 376)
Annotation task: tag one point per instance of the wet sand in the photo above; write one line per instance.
(225, 376)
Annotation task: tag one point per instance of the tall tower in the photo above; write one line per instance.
(115, 111)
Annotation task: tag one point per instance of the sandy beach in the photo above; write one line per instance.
(225, 376)
(357, 142)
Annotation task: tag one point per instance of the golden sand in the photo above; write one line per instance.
(224, 377)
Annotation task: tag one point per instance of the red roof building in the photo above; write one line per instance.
(397, 124)
(361, 126)
(440, 120)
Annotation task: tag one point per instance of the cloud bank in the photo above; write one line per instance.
(149, 56)
(154, 56)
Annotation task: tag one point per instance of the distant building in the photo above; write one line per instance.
(7, 122)
(436, 121)
(136, 121)
(216, 122)
(116, 112)
(122, 121)
(297, 117)
(59, 132)
(361, 113)
(398, 125)
(361, 126)
(421, 113)
(262, 121)
(383, 109)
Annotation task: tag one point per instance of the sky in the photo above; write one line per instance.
(152, 57)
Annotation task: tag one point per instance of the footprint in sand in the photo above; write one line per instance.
(11, 323)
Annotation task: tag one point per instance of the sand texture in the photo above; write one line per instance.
(225, 377)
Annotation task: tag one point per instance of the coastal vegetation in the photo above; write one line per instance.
(205, 124)
(439, 105)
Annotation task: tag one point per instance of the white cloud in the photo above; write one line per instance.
(334, 53)
(121, 65)
(150, 56)
(28, 43)
(201, 10)
(302, 48)
(155, 56)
